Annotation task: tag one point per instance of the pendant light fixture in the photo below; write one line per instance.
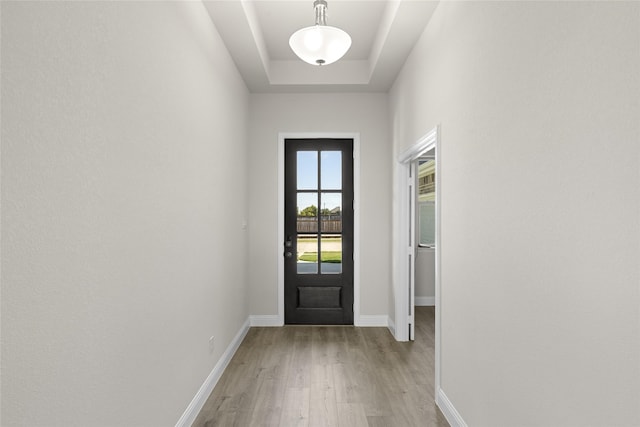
(320, 44)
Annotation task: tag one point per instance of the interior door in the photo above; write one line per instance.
(318, 265)
(412, 251)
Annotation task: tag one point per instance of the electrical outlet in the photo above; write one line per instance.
(211, 344)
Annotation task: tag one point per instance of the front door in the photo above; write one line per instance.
(318, 264)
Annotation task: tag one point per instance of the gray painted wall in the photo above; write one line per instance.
(363, 113)
(122, 253)
(539, 107)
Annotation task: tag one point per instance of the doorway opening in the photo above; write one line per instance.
(318, 225)
(425, 229)
(411, 211)
(308, 257)
(407, 242)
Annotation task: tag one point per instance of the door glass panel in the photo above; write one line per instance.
(307, 254)
(410, 197)
(410, 276)
(331, 168)
(331, 212)
(427, 223)
(307, 173)
(307, 213)
(426, 202)
(426, 179)
(331, 254)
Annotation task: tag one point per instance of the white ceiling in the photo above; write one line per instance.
(256, 33)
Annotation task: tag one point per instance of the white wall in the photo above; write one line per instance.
(123, 193)
(539, 107)
(363, 113)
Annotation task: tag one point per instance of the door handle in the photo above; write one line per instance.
(288, 244)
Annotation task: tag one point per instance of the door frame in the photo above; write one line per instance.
(401, 276)
(355, 136)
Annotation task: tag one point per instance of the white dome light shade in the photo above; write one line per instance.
(320, 44)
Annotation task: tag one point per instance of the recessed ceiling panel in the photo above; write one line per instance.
(279, 19)
(256, 33)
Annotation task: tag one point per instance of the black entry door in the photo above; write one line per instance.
(318, 229)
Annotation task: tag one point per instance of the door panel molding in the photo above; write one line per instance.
(356, 213)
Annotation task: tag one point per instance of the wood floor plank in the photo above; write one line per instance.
(301, 354)
(267, 410)
(323, 406)
(295, 410)
(351, 415)
(348, 389)
(223, 418)
(321, 376)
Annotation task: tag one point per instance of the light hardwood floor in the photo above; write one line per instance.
(328, 376)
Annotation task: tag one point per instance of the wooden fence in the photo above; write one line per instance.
(330, 224)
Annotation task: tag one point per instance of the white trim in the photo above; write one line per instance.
(355, 136)
(449, 411)
(280, 237)
(420, 147)
(401, 243)
(365, 320)
(196, 405)
(391, 326)
(265, 320)
(413, 250)
(425, 301)
(356, 228)
(438, 266)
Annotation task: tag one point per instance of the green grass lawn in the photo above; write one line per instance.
(328, 256)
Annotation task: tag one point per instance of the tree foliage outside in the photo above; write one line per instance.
(313, 211)
(309, 211)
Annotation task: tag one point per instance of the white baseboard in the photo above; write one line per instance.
(362, 321)
(372, 321)
(265, 320)
(392, 326)
(449, 411)
(422, 301)
(194, 408)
